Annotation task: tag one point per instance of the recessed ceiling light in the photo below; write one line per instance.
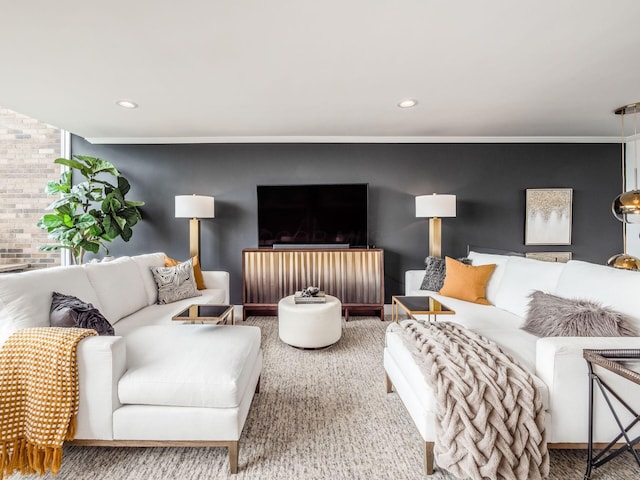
(408, 103)
(127, 104)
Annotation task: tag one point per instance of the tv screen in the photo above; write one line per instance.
(313, 214)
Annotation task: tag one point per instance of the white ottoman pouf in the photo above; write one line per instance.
(310, 325)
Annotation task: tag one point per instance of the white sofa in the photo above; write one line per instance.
(157, 381)
(557, 363)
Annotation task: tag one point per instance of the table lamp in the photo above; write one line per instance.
(435, 207)
(194, 207)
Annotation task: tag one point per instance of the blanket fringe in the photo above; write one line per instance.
(27, 458)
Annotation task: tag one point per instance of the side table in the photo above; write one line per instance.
(610, 361)
(216, 314)
(418, 305)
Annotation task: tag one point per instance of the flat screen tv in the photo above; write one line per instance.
(313, 215)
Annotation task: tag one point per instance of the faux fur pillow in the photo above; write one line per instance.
(69, 311)
(434, 273)
(175, 283)
(551, 316)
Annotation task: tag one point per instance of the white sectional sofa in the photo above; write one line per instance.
(156, 382)
(557, 363)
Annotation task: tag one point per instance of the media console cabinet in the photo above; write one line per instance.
(353, 275)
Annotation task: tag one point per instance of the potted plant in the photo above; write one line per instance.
(90, 213)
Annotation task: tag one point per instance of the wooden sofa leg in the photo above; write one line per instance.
(388, 381)
(233, 457)
(428, 458)
(258, 384)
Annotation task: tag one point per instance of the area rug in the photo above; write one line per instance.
(320, 414)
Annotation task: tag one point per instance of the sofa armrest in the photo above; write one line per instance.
(101, 363)
(412, 281)
(561, 366)
(217, 280)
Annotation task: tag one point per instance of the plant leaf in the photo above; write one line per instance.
(51, 221)
(126, 233)
(123, 185)
(70, 163)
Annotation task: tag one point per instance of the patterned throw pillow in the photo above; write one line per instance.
(175, 283)
(197, 271)
(68, 311)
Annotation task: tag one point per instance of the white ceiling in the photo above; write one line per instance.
(330, 70)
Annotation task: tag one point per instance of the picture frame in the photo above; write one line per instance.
(560, 257)
(548, 216)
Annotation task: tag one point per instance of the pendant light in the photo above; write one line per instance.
(626, 206)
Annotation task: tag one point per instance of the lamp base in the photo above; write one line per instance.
(194, 238)
(435, 237)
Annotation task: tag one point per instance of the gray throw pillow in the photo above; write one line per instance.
(175, 283)
(434, 273)
(68, 311)
(552, 316)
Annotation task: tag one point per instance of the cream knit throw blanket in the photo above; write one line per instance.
(38, 398)
(490, 419)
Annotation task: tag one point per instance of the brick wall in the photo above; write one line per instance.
(28, 148)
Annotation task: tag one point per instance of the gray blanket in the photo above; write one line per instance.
(490, 419)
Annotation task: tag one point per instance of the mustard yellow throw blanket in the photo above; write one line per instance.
(38, 398)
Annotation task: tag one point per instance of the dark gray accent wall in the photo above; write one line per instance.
(489, 180)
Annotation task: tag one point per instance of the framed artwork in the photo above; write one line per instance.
(561, 257)
(548, 216)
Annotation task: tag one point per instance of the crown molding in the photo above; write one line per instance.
(346, 139)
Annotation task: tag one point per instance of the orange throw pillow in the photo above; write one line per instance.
(197, 272)
(466, 282)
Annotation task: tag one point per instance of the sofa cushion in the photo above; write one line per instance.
(119, 286)
(614, 288)
(68, 311)
(161, 314)
(521, 277)
(496, 277)
(552, 316)
(466, 282)
(175, 283)
(25, 298)
(189, 365)
(144, 263)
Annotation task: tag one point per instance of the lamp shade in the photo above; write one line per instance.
(194, 206)
(436, 206)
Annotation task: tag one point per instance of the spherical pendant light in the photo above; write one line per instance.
(624, 262)
(626, 207)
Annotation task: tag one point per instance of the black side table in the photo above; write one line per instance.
(610, 360)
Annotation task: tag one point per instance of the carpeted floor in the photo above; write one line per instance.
(320, 415)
